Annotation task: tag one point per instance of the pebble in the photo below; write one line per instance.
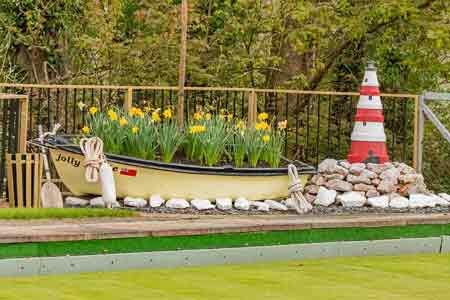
(261, 206)
(325, 197)
(399, 202)
(97, 202)
(421, 201)
(177, 203)
(381, 202)
(135, 202)
(224, 203)
(276, 205)
(352, 199)
(202, 204)
(242, 203)
(74, 201)
(156, 201)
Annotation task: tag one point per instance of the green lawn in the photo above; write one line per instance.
(398, 277)
(60, 213)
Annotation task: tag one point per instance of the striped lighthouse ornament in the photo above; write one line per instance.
(368, 137)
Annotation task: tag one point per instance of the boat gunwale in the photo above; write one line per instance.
(303, 169)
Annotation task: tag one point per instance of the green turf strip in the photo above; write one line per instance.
(408, 277)
(61, 213)
(147, 244)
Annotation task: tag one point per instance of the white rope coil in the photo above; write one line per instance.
(295, 189)
(49, 133)
(92, 149)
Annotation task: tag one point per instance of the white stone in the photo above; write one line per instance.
(224, 203)
(242, 203)
(345, 164)
(275, 205)
(325, 197)
(410, 178)
(339, 185)
(261, 206)
(444, 196)
(369, 174)
(352, 199)
(391, 174)
(358, 179)
(135, 202)
(74, 201)
(399, 202)
(327, 166)
(97, 202)
(177, 203)
(372, 193)
(357, 168)
(387, 186)
(439, 200)
(380, 202)
(156, 201)
(202, 204)
(420, 201)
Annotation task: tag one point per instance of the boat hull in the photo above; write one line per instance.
(142, 181)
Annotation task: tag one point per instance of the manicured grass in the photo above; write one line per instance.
(60, 213)
(389, 277)
(229, 240)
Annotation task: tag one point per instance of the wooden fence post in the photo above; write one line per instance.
(128, 102)
(182, 68)
(252, 108)
(23, 124)
(418, 133)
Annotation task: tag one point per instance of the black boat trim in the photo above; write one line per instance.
(62, 143)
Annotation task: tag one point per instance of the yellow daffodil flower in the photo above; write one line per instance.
(208, 116)
(240, 125)
(263, 116)
(135, 130)
(93, 110)
(167, 113)
(155, 116)
(197, 129)
(266, 138)
(262, 126)
(230, 117)
(85, 130)
(123, 122)
(198, 116)
(112, 115)
(133, 111)
(81, 105)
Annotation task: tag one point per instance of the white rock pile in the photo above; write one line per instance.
(395, 185)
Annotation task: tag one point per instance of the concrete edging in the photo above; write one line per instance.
(170, 259)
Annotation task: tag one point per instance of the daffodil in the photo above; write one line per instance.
(135, 130)
(197, 129)
(240, 125)
(167, 113)
(266, 138)
(221, 116)
(81, 105)
(133, 111)
(155, 116)
(230, 117)
(263, 116)
(282, 124)
(85, 130)
(262, 126)
(112, 115)
(208, 116)
(198, 116)
(93, 110)
(140, 113)
(123, 122)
